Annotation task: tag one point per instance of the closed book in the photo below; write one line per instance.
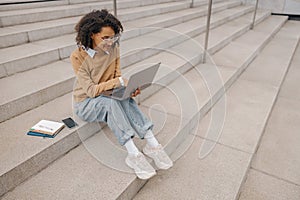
(40, 134)
(47, 127)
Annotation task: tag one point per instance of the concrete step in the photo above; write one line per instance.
(36, 153)
(25, 33)
(228, 145)
(20, 34)
(232, 159)
(7, 5)
(188, 51)
(171, 19)
(139, 48)
(28, 56)
(36, 87)
(68, 139)
(246, 57)
(259, 35)
(274, 172)
(68, 73)
(15, 103)
(22, 161)
(15, 17)
(19, 5)
(127, 12)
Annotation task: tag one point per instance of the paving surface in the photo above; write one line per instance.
(275, 170)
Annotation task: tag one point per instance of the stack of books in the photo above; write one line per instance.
(46, 128)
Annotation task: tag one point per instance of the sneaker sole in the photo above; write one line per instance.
(140, 175)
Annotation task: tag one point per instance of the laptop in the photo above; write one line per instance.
(141, 79)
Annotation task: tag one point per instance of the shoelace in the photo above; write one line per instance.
(162, 156)
(158, 151)
(142, 162)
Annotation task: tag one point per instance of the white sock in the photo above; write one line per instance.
(131, 148)
(151, 140)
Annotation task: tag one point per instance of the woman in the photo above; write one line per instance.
(96, 63)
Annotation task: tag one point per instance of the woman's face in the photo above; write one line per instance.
(103, 39)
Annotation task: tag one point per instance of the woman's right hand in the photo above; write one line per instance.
(136, 92)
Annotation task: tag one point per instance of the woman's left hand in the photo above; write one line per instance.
(136, 92)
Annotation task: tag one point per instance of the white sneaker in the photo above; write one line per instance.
(160, 157)
(140, 165)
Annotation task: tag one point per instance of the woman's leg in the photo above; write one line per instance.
(120, 117)
(143, 127)
(104, 109)
(136, 117)
(111, 111)
(139, 121)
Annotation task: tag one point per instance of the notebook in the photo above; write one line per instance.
(46, 128)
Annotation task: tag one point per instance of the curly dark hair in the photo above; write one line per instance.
(92, 23)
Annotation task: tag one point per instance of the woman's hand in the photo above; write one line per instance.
(136, 92)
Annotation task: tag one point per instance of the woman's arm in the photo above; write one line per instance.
(118, 70)
(93, 89)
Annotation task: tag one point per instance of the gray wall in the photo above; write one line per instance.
(278, 6)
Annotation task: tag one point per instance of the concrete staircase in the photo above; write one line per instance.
(214, 160)
(274, 172)
(37, 79)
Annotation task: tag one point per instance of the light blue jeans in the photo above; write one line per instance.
(124, 117)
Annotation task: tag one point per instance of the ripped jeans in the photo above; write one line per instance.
(124, 117)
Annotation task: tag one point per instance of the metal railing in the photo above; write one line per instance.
(207, 22)
(254, 15)
(207, 31)
(208, 25)
(115, 8)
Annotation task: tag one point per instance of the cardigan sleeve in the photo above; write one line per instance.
(75, 61)
(118, 70)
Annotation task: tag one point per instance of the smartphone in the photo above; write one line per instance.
(69, 122)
